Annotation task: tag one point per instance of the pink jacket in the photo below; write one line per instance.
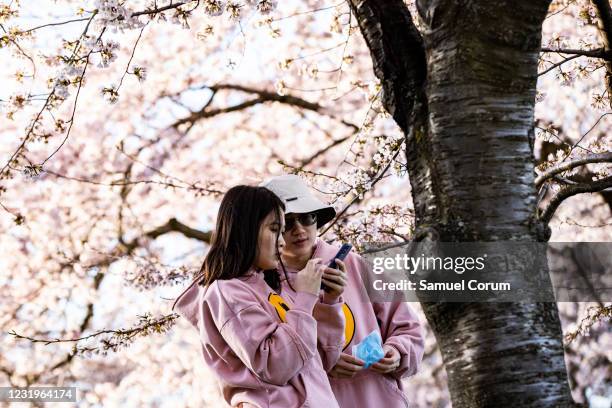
(261, 356)
(398, 325)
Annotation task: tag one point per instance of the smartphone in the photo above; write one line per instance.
(342, 253)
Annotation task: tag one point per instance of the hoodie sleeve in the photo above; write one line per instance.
(400, 328)
(275, 352)
(330, 329)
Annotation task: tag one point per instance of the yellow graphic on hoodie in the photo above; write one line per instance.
(349, 319)
(280, 305)
(349, 325)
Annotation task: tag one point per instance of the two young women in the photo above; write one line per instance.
(272, 338)
(263, 355)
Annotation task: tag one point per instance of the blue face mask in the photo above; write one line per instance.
(369, 349)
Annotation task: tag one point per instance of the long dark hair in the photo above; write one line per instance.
(234, 245)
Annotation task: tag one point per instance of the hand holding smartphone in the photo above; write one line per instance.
(341, 255)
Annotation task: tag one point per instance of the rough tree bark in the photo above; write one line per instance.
(463, 92)
(604, 25)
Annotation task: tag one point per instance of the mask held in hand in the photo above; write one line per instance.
(369, 349)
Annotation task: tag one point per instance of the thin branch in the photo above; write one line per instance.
(356, 198)
(120, 336)
(348, 37)
(558, 64)
(572, 222)
(76, 100)
(193, 186)
(594, 315)
(32, 378)
(161, 9)
(323, 150)
(118, 332)
(25, 54)
(187, 186)
(127, 67)
(563, 141)
(585, 135)
(29, 30)
(561, 167)
(323, 51)
(26, 139)
(569, 3)
(307, 12)
(596, 53)
(573, 190)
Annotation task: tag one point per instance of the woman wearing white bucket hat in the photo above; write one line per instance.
(401, 332)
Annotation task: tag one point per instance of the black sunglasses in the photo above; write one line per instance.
(305, 219)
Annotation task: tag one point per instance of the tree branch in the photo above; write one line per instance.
(356, 198)
(585, 175)
(561, 167)
(323, 150)
(263, 96)
(398, 54)
(32, 378)
(270, 96)
(120, 335)
(161, 9)
(173, 225)
(145, 325)
(594, 315)
(558, 64)
(572, 190)
(596, 53)
(29, 30)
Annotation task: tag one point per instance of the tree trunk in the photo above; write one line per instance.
(604, 25)
(467, 123)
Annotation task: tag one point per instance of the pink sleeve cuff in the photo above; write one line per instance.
(305, 302)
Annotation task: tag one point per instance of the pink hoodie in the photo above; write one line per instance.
(263, 353)
(397, 323)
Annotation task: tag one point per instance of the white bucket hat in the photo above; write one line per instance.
(298, 198)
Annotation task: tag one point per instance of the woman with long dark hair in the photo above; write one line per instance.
(263, 351)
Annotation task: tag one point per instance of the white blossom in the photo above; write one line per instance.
(213, 7)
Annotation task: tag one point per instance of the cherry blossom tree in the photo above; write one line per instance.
(123, 122)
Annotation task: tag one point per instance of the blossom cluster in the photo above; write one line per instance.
(113, 14)
(216, 8)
